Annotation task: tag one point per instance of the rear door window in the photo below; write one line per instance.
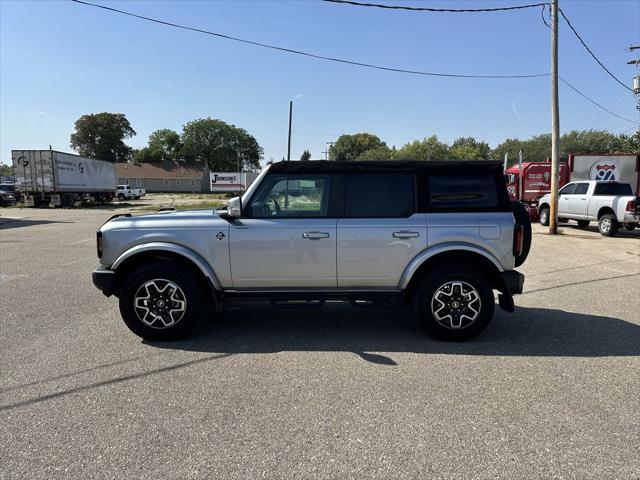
(462, 192)
(386, 195)
(581, 188)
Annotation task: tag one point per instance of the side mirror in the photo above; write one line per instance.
(234, 207)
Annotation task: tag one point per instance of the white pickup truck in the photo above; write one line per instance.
(611, 204)
(125, 192)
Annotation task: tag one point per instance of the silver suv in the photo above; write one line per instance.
(441, 235)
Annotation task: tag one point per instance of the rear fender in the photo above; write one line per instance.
(422, 257)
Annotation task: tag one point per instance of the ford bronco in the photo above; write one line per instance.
(440, 235)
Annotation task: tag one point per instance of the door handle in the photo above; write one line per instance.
(583, 199)
(405, 234)
(315, 235)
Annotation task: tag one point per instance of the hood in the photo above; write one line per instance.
(166, 219)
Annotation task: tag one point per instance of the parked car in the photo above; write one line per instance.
(125, 192)
(7, 198)
(440, 235)
(611, 204)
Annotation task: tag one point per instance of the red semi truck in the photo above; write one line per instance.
(536, 179)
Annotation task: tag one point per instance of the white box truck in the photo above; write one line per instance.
(58, 178)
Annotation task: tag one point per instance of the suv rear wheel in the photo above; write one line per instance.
(160, 301)
(454, 302)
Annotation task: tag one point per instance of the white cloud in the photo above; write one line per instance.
(299, 96)
(41, 113)
(515, 110)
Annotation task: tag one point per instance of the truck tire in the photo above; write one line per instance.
(544, 216)
(454, 302)
(583, 223)
(121, 197)
(608, 225)
(160, 301)
(521, 216)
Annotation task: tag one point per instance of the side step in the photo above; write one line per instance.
(311, 299)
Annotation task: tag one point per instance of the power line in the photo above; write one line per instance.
(590, 52)
(307, 54)
(593, 101)
(439, 10)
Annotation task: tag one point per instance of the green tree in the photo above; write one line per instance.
(5, 170)
(350, 147)
(631, 143)
(380, 153)
(535, 149)
(426, 149)
(306, 156)
(167, 142)
(147, 155)
(102, 135)
(220, 145)
(590, 141)
(468, 148)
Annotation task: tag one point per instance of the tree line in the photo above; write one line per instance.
(225, 147)
(367, 146)
(222, 146)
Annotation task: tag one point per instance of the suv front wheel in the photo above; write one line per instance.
(454, 302)
(160, 301)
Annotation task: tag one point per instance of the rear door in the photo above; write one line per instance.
(379, 232)
(286, 237)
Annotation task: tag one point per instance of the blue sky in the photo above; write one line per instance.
(60, 60)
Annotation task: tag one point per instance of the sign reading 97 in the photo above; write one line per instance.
(605, 169)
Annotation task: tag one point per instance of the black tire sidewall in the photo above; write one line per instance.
(614, 225)
(441, 275)
(169, 271)
(546, 222)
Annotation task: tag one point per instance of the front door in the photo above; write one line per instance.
(564, 196)
(379, 233)
(285, 238)
(578, 200)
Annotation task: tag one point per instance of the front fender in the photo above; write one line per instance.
(197, 259)
(422, 257)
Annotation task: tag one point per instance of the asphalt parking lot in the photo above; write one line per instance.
(552, 391)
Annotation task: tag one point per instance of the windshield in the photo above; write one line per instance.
(613, 189)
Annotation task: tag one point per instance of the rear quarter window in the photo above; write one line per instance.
(462, 192)
(613, 189)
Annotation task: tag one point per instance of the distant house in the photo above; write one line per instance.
(165, 177)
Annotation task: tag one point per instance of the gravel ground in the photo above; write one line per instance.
(552, 391)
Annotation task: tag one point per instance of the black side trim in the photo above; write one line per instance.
(513, 282)
(104, 280)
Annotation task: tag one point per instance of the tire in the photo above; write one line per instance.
(433, 290)
(630, 226)
(544, 216)
(121, 197)
(521, 216)
(583, 223)
(159, 280)
(608, 225)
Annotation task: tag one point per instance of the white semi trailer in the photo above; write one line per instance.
(57, 178)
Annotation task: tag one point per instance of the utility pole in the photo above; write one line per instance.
(636, 79)
(555, 121)
(329, 145)
(289, 141)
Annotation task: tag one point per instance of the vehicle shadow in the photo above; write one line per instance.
(8, 223)
(593, 228)
(256, 328)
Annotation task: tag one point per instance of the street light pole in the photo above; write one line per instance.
(555, 121)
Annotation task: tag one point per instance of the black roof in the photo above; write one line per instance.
(321, 166)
